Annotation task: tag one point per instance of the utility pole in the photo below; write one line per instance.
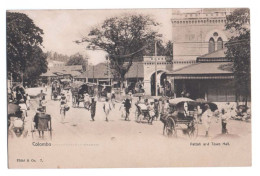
(93, 73)
(155, 54)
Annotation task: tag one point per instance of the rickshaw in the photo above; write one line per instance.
(41, 123)
(16, 121)
(178, 119)
(242, 113)
(20, 92)
(55, 90)
(104, 90)
(144, 111)
(65, 83)
(138, 88)
(79, 92)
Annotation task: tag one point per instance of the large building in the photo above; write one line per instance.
(61, 72)
(194, 34)
(200, 67)
(198, 33)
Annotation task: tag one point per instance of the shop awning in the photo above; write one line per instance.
(204, 77)
(212, 70)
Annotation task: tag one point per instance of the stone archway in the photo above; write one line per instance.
(160, 80)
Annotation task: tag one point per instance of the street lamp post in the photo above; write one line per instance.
(93, 74)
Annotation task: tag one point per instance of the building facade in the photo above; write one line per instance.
(198, 33)
(199, 41)
(152, 65)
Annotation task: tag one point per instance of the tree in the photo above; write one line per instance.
(162, 49)
(35, 66)
(78, 59)
(124, 38)
(23, 47)
(57, 57)
(238, 48)
(169, 49)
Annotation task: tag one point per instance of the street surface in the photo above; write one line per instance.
(130, 143)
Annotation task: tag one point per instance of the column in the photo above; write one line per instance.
(147, 87)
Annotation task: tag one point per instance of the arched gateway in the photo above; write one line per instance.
(164, 65)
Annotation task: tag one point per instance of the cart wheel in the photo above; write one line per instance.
(170, 128)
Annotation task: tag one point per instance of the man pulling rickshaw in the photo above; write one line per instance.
(42, 123)
(145, 110)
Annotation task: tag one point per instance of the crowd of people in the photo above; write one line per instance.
(149, 109)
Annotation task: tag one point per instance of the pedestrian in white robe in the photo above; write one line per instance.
(206, 119)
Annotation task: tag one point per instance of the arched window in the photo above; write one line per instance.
(211, 45)
(220, 43)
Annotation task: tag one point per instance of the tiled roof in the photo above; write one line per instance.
(73, 70)
(83, 75)
(67, 68)
(205, 68)
(216, 54)
(100, 71)
(48, 73)
(136, 70)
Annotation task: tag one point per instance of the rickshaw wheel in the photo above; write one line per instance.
(170, 128)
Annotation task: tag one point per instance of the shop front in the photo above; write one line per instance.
(204, 80)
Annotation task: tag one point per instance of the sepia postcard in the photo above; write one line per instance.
(128, 88)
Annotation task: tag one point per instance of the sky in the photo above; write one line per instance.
(62, 27)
